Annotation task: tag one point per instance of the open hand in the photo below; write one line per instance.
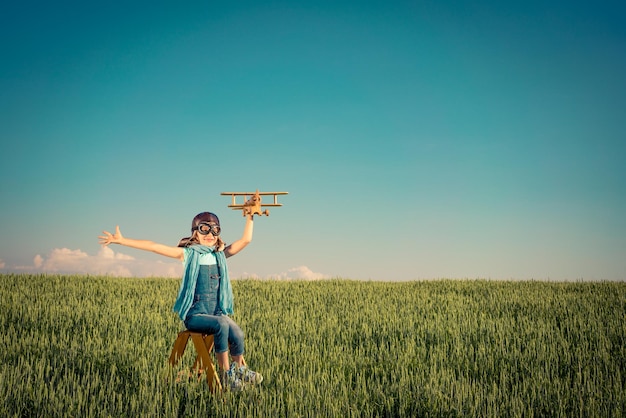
(109, 238)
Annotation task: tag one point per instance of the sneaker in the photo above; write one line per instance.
(231, 380)
(249, 376)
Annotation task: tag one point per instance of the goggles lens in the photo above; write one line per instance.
(204, 228)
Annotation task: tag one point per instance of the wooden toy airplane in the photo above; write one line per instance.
(253, 205)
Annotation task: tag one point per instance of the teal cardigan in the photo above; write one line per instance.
(190, 277)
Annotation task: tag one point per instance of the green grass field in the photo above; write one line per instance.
(94, 346)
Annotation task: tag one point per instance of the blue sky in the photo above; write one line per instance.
(416, 140)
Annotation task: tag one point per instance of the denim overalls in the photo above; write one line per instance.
(207, 292)
(206, 316)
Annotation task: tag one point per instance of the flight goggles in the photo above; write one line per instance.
(204, 228)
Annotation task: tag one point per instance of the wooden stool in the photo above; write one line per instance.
(203, 344)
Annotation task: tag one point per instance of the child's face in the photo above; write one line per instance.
(209, 239)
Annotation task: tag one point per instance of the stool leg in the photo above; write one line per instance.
(179, 347)
(203, 345)
(208, 342)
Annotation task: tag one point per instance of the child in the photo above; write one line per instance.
(205, 297)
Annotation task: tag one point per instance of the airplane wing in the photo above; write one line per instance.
(238, 206)
(252, 193)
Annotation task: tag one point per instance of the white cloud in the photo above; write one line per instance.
(296, 273)
(303, 272)
(38, 261)
(2, 263)
(106, 262)
(108, 253)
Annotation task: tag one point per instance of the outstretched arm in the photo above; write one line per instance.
(117, 238)
(241, 243)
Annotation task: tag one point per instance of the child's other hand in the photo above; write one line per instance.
(109, 238)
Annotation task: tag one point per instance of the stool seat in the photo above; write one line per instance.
(203, 344)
